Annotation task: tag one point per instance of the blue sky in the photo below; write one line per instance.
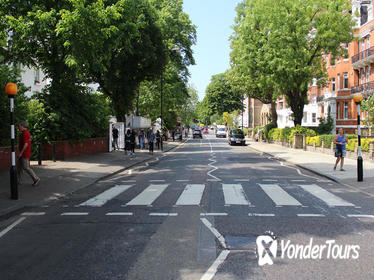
(213, 19)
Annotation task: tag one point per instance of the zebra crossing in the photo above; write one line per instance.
(233, 195)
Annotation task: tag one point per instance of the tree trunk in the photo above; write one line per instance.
(137, 102)
(296, 101)
(274, 115)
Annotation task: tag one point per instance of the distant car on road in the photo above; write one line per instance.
(221, 131)
(236, 136)
(197, 134)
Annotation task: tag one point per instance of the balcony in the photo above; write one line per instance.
(364, 88)
(363, 58)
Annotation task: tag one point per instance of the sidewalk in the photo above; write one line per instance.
(63, 177)
(321, 164)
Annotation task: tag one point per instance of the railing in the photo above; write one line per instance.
(363, 87)
(364, 54)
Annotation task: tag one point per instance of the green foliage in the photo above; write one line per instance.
(298, 129)
(277, 46)
(325, 126)
(368, 106)
(257, 128)
(267, 129)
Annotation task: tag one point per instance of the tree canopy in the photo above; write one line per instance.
(277, 46)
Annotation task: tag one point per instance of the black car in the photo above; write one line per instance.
(236, 136)
(197, 134)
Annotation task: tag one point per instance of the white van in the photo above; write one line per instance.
(221, 131)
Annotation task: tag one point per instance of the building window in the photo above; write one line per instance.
(37, 76)
(314, 98)
(314, 117)
(338, 81)
(305, 117)
(364, 14)
(280, 105)
(338, 110)
(345, 110)
(314, 82)
(368, 74)
(345, 80)
(333, 86)
(345, 52)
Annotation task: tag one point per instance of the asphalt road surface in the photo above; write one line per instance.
(196, 213)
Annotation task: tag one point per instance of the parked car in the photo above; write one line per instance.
(236, 136)
(197, 134)
(221, 131)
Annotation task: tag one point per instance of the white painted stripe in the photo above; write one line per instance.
(310, 215)
(119, 214)
(13, 158)
(129, 181)
(211, 272)
(5, 231)
(234, 194)
(149, 195)
(360, 216)
(213, 214)
(213, 180)
(260, 215)
(269, 180)
(157, 181)
(220, 238)
(279, 196)
(33, 214)
(241, 180)
(163, 214)
(183, 180)
(104, 197)
(298, 180)
(191, 195)
(327, 197)
(12, 136)
(11, 104)
(74, 214)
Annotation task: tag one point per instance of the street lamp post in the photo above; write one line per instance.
(358, 98)
(11, 91)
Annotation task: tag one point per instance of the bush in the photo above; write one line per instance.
(351, 145)
(300, 130)
(267, 129)
(257, 128)
(327, 139)
(275, 134)
(285, 133)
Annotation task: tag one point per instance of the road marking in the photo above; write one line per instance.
(360, 216)
(234, 194)
(157, 181)
(191, 195)
(270, 180)
(327, 197)
(213, 214)
(119, 214)
(183, 180)
(279, 196)
(260, 215)
(149, 195)
(213, 180)
(33, 214)
(104, 197)
(75, 214)
(6, 230)
(211, 272)
(129, 181)
(163, 214)
(310, 215)
(298, 180)
(220, 238)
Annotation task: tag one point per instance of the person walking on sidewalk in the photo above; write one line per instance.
(151, 140)
(115, 138)
(340, 150)
(141, 139)
(158, 139)
(127, 141)
(24, 155)
(132, 142)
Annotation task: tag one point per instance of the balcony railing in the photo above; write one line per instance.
(363, 87)
(364, 54)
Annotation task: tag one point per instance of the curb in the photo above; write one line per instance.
(14, 210)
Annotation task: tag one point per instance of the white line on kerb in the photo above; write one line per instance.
(360, 216)
(119, 214)
(163, 214)
(213, 214)
(74, 214)
(5, 231)
(211, 272)
(220, 238)
(33, 214)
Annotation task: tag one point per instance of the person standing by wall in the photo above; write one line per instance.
(24, 155)
(115, 138)
(340, 149)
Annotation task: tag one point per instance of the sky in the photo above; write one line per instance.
(213, 20)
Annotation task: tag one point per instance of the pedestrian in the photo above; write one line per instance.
(151, 140)
(115, 138)
(158, 139)
(141, 139)
(24, 155)
(127, 142)
(132, 142)
(340, 149)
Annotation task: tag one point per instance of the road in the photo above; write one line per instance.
(196, 213)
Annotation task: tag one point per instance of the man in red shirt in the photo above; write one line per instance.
(24, 155)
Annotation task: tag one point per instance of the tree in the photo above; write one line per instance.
(368, 107)
(291, 36)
